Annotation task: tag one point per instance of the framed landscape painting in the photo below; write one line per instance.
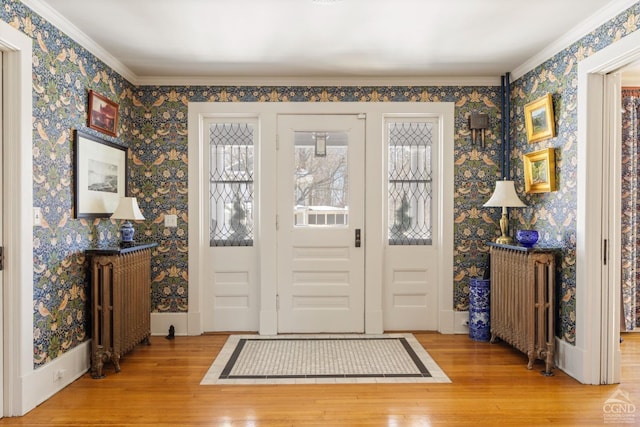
(100, 174)
(540, 171)
(103, 114)
(539, 119)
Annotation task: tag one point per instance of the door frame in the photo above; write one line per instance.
(266, 187)
(597, 312)
(18, 232)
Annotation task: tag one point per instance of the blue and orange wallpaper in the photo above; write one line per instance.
(555, 213)
(153, 125)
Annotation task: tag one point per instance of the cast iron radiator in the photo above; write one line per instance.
(523, 300)
(120, 294)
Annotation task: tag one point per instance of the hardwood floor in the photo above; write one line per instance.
(159, 385)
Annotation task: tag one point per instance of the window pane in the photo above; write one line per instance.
(410, 180)
(231, 183)
(321, 178)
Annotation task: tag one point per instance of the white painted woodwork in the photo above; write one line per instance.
(410, 290)
(320, 271)
(231, 299)
(374, 237)
(611, 225)
(595, 343)
(19, 392)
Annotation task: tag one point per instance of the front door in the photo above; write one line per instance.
(321, 235)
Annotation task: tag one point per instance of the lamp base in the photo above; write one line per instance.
(504, 240)
(126, 233)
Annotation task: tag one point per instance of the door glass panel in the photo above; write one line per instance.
(410, 182)
(231, 183)
(321, 179)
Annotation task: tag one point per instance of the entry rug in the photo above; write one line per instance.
(323, 359)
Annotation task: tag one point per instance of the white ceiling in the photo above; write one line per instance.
(183, 40)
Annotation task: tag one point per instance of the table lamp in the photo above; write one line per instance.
(504, 196)
(127, 209)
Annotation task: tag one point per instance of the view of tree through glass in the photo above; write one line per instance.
(321, 179)
(231, 183)
(410, 182)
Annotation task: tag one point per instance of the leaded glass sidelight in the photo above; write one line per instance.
(231, 167)
(410, 182)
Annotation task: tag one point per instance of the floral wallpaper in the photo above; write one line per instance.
(160, 159)
(63, 72)
(554, 214)
(153, 124)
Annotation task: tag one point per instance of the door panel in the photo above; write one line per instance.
(320, 208)
(231, 292)
(410, 289)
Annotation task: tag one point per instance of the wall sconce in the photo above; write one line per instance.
(478, 122)
(321, 143)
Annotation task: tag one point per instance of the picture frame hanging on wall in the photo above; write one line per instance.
(100, 175)
(539, 119)
(540, 171)
(103, 114)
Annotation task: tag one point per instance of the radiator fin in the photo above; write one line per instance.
(121, 306)
(522, 301)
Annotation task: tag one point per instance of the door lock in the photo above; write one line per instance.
(358, 239)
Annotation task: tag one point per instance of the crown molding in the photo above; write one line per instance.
(612, 9)
(381, 81)
(64, 25)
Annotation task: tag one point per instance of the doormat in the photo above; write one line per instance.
(323, 359)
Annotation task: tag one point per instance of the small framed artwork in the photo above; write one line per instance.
(100, 175)
(103, 114)
(540, 171)
(539, 119)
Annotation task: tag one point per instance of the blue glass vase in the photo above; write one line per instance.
(527, 238)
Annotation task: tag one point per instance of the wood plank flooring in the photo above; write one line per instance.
(159, 386)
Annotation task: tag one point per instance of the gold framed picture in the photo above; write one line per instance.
(540, 171)
(539, 119)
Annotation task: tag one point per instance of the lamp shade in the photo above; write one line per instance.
(127, 209)
(505, 196)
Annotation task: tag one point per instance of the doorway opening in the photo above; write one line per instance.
(597, 357)
(217, 285)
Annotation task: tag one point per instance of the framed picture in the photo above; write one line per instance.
(100, 174)
(539, 120)
(103, 114)
(540, 171)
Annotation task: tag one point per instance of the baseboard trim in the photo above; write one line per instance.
(44, 382)
(569, 359)
(160, 323)
(453, 322)
(461, 322)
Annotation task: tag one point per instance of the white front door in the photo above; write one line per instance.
(320, 236)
